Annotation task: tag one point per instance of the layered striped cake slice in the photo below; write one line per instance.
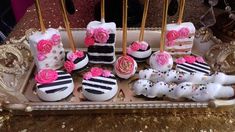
(104, 37)
(57, 90)
(99, 88)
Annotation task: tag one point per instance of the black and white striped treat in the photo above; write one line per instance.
(100, 88)
(201, 67)
(59, 89)
(103, 53)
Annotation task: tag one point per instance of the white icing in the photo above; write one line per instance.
(155, 65)
(126, 76)
(80, 64)
(50, 61)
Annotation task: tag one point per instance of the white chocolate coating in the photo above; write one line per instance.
(125, 76)
(82, 63)
(154, 64)
(53, 60)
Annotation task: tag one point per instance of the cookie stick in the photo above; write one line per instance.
(38, 9)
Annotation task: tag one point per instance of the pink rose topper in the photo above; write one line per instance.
(172, 35)
(69, 66)
(135, 46)
(190, 59)
(180, 60)
(162, 58)
(144, 45)
(74, 56)
(89, 41)
(106, 73)
(56, 39)
(45, 76)
(129, 50)
(44, 46)
(41, 57)
(87, 76)
(95, 72)
(101, 35)
(183, 32)
(200, 59)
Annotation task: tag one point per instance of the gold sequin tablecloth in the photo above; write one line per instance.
(210, 120)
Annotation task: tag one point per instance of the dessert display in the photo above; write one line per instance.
(53, 85)
(162, 60)
(99, 84)
(180, 36)
(100, 40)
(192, 64)
(125, 66)
(75, 59)
(141, 50)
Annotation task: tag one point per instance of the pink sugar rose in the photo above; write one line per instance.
(89, 41)
(180, 60)
(200, 59)
(56, 39)
(183, 32)
(44, 46)
(69, 66)
(72, 57)
(41, 57)
(135, 46)
(79, 54)
(87, 76)
(129, 50)
(172, 35)
(96, 71)
(106, 73)
(170, 43)
(45, 76)
(190, 59)
(144, 45)
(101, 35)
(89, 32)
(162, 58)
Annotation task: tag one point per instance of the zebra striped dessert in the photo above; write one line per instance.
(56, 90)
(96, 86)
(101, 38)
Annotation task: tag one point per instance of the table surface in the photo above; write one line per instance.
(221, 119)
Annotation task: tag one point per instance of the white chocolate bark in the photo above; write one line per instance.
(103, 53)
(53, 60)
(181, 45)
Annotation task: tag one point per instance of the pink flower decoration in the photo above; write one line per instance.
(125, 65)
(56, 39)
(89, 41)
(162, 58)
(129, 50)
(200, 59)
(135, 46)
(41, 57)
(79, 54)
(95, 71)
(180, 60)
(46, 76)
(44, 46)
(170, 43)
(190, 59)
(106, 73)
(172, 35)
(183, 32)
(72, 57)
(87, 76)
(144, 45)
(89, 33)
(101, 35)
(69, 66)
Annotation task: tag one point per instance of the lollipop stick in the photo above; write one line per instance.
(124, 27)
(43, 29)
(67, 26)
(181, 12)
(141, 36)
(164, 22)
(103, 11)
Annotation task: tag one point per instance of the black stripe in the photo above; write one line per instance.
(97, 86)
(139, 59)
(79, 59)
(94, 91)
(111, 39)
(192, 68)
(101, 58)
(61, 73)
(112, 77)
(102, 81)
(56, 90)
(100, 49)
(194, 64)
(202, 63)
(54, 84)
(63, 77)
(185, 69)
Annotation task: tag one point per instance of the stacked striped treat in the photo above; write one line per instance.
(179, 38)
(100, 40)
